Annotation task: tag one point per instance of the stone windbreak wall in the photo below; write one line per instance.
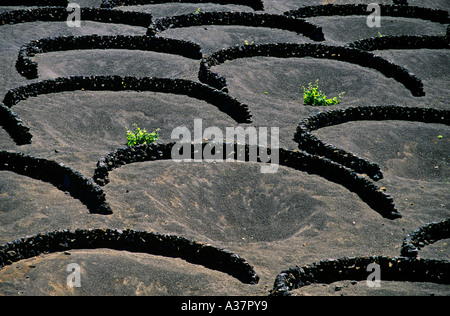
(290, 50)
(317, 157)
(29, 68)
(312, 144)
(282, 22)
(334, 172)
(129, 240)
(62, 177)
(22, 135)
(256, 5)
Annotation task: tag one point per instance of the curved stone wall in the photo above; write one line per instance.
(403, 11)
(132, 241)
(60, 14)
(238, 18)
(290, 50)
(256, 5)
(225, 103)
(315, 146)
(355, 268)
(59, 175)
(365, 189)
(29, 69)
(316, 158)
(425, 235)
(402, 42)
(14, 126)
(53, 3)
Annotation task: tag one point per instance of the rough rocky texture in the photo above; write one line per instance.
(354, 268)
(54, 14)
(406, 11)
(424, 235)
(254, 4)
(402, 42)
(56, 3)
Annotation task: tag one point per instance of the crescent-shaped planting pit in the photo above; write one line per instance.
(315, 146)
(291, 50)
(425, 235)
(21, 134)
(60, 14)
(238, 18)
(355, 268)
(365, 189)
(403, 11)
(29, 69)
(132, 241)
(60, 176)
(256, 5)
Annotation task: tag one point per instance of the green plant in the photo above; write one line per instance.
(140, 136)
(197, 12)
(313, 96)
(246, 43)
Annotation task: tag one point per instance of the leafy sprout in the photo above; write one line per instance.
(313, 96)
(141, 136)
(197, 12)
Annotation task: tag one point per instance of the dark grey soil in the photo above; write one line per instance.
(274, 221)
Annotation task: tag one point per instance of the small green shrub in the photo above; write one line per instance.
(196, 13)
(313, 96)
(140, 136)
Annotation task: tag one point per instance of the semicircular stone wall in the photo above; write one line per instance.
(290, 50)
(129, 240)
(312, 144)
(315, 157)
(365, 189)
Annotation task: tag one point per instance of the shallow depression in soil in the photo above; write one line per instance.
(225, 201)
